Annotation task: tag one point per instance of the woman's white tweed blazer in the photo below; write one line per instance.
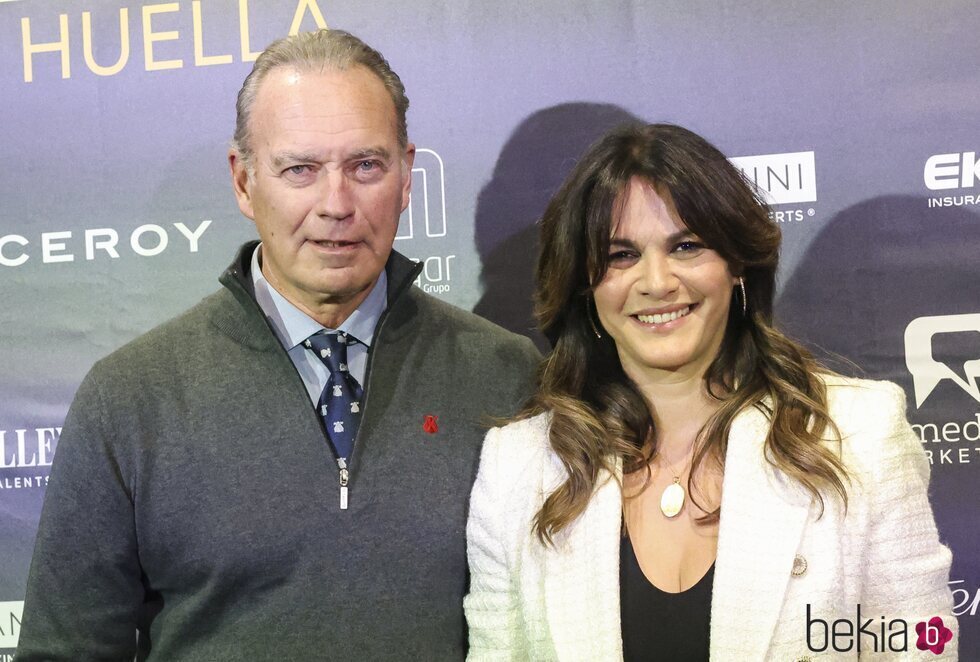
(529, 602)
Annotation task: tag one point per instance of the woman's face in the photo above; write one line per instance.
(664, 299)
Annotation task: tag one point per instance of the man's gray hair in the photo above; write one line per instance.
(315, 51)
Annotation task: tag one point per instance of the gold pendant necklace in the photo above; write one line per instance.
(672, 498)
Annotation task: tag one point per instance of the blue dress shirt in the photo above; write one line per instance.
(293, 326)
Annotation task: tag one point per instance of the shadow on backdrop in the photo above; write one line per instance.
(875, 268)
(532, 165)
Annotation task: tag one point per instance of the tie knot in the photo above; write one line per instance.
(331, 348)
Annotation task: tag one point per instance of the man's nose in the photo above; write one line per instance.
(335, 199)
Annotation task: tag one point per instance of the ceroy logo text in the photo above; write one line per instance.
(877, 635)
(782, 179)
(935, 348)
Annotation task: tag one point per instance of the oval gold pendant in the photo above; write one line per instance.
(672, 500)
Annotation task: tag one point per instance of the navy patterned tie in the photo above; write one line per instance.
(340, 402)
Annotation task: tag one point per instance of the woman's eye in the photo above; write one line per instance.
(688, 247)
(621, 256)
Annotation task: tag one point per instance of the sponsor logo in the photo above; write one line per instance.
(425, 215)
(437, 274)
(952, 432)
(25, 457)
(957, 170)
(930, 345)
(783, 179)
(951, 171)
(147, 240)
(879, 635)
(48, 42)
(11, 614)
(964, 604)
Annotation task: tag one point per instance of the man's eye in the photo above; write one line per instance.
(297, 170)
(369, 170)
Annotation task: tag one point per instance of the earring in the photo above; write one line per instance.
(745, 302)
(592, 323)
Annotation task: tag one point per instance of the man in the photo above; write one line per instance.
(282, 472)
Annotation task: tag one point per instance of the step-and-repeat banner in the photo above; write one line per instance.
(861, 120)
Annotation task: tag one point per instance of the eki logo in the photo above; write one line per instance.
(883, 636)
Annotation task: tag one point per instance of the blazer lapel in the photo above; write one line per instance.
(581, 581)
(762, 520)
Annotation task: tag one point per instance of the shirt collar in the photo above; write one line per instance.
(293, 326)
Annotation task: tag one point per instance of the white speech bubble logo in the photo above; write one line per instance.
(928, 372)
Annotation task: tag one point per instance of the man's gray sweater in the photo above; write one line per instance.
(194, 496)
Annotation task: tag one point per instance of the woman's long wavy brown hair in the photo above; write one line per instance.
(597, 414)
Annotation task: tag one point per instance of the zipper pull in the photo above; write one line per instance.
(344, 477)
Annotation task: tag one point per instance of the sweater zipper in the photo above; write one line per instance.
(344, 478)
(345, 464)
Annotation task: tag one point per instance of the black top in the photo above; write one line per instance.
(658, 625)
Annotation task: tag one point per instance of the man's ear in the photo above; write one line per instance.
(407, 161)
(241, 182)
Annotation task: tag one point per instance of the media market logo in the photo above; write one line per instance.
(783, 179)
(883, 636)
(956, 170)
(931, 343)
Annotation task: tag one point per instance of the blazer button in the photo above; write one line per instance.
(799, 566)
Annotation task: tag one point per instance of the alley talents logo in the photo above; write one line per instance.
(883, 636)
(25, 457)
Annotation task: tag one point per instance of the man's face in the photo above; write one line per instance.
(328, 183)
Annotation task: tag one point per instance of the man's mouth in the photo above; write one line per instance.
(334, 244)
(663, 318)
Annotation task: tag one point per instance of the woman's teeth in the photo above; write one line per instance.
(665, 317)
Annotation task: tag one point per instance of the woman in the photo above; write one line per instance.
(688, 483)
